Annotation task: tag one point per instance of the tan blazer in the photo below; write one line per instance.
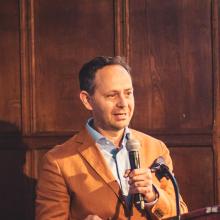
(75, 181)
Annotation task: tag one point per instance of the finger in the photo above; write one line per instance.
(127, 172)
(139, 171)
(140, 182)
(142, 177)
(146, 190)
(136, 172)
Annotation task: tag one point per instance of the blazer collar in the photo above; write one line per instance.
(93, 156)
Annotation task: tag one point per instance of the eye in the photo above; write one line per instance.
(111, 95)
(128, 93)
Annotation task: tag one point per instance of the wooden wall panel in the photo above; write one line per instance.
(65, 36)
(169, 46)
(170, 52)
(37, 156)
(10, 106)
(217, 97)
(17, 189)
(216, 70)
(194, 171)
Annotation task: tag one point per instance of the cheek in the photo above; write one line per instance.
(102, 109)
(131, 103)
(102, 106)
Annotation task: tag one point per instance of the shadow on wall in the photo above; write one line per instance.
(17, 191)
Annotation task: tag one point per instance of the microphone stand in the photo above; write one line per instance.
(163, 171)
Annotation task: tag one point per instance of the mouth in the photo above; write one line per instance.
(120, 116)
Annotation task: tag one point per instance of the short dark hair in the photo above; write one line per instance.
(89, 69)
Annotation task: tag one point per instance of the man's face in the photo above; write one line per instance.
(112, 103)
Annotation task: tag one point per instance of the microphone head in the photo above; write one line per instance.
(132, 145)
(157, 164)
(160, 160)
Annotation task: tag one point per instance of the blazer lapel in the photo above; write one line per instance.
(93, 156)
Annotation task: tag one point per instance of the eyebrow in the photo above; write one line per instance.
(114, 90)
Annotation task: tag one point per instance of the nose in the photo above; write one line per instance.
(122, 101)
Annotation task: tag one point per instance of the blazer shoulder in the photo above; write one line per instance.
(148, 140)
(69, 147)
(142, 136)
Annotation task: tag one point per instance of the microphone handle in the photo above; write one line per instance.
(134, 160)
(135, 164)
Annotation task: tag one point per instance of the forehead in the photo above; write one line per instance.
(113, 77)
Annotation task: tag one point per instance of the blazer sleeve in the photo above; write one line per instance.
(166, 204)
(52, 201)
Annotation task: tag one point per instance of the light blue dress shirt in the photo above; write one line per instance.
(116, 158)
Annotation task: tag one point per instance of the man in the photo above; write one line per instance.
(89, 176)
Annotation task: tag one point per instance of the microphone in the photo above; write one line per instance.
(132, 148)
(157, 164)
(161, 170)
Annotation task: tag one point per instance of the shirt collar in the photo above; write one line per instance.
(99, 138)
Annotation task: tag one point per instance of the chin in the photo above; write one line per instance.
(119, 126)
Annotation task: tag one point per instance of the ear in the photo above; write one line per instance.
(86, 99)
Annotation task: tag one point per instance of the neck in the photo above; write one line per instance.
(114, 136)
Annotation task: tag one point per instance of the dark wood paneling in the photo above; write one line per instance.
(66, 35)
(17, 189)
(194, 170)
(170, 52)
(37, 157)
(168, 44)
(10, 106)
(216, 70)
(181, 139)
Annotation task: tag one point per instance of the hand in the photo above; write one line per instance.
(93, 217)
(140, 181)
